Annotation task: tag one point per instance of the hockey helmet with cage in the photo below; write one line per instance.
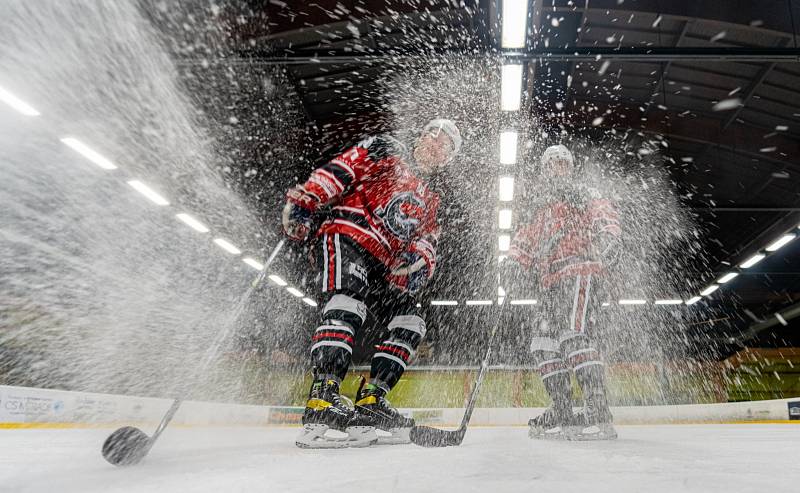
(558, 160)
(448, 127)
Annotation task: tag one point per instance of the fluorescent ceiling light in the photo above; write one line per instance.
(479, 302)
(752, 261)
(504, 243)
(727, 277)
(17, 103)
(295, 292)
(693, 300)
(506, 188)
(709, 290)
(504, 219)
(444, 303)
(88, 153)
(515, 23)
(309, 301)
(632, 302)
(508, 147)
(253, 263)
(277, 280)
(192, 222)
(523, 302)
(148, 192)
(775, 245)
(511, 87)
(225, 245)
(669, 302)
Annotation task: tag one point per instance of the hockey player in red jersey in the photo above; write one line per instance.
(564, 250)
(376, 240)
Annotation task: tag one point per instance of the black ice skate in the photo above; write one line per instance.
(596, 421)
(372, 407)
(555, 423)
(326, 412)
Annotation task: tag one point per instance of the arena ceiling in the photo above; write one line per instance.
(648, 67)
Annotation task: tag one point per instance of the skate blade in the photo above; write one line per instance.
(319, 436)
(556, 433)
(395, 436)
(594, 433)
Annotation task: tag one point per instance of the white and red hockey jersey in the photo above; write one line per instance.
(375, 199)
(565, 239)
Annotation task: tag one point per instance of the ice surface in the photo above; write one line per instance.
(702, 458)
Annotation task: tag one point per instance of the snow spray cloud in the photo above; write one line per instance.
(659, 245)
(467, 91)
(102, 290)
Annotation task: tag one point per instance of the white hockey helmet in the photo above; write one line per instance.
(555, 154)
(447, 126)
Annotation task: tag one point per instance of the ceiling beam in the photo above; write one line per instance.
(749, 92)
(695, 128)
(749, 209)
(786, 314)
(292, 56)
(662, 79)
(774, 16)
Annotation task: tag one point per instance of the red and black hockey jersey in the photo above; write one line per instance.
(566, 239)
(375, 199)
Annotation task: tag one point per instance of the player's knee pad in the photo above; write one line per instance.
(332, 342)
(579, 351)
(547, 357)
(345, 309)
(407, 328)
(544, 345)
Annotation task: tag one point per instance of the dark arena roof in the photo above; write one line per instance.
(715, 85)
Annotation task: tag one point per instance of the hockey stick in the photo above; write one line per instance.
(427, 436)
(129, 445)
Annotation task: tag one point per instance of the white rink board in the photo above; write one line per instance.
(29, 405)
(652, 458)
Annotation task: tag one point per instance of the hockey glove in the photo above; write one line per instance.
(296, 216)
(411, 275)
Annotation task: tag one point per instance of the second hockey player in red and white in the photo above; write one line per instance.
(562, 253)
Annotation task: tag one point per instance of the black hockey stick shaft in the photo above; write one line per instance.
(473, 398)
(129, 445)
(427, 436)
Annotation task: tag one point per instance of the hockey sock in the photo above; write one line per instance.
(589, 369)
(555, 377)
(592, 382)
(332, 348)
(395, 353)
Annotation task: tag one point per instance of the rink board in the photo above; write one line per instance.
(23, 407)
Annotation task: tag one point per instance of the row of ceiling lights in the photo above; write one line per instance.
(101, 161)
(514, 29)
(748, 263)
(631, 302)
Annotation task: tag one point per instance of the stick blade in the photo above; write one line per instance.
(426, 436)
